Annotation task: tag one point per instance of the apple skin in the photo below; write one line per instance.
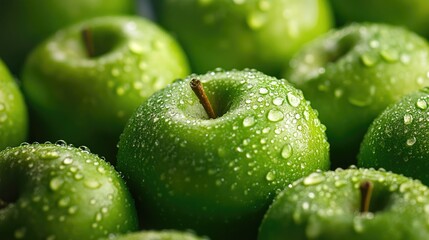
(56, 191)
(413, 14)
(327, 206)
(397, 140)
(26, 23)
(243, 34)
(218, 176)
(87, 100)
(13, 111)
(352, 74)
(159, 235)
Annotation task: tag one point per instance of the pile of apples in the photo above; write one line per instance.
(214, 119)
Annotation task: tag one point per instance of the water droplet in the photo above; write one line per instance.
(408, 118)
(238, 2)
(405, 58)
(338, 92)
(249, 121)
(67, 161)
(135, 47)
(278, 101)
(287, 151)
(78, 176)
(91, 183)
(390, 55)
(313, 178)
(270, 176)
(275, 115)
(358, 225)
(411, 141)
(64, 202)
(293, 100)
(48, 154)
(263, 91)
(72, 210)
(368, 60)
(422, 104)
(360, 102)
(56, 183)
(120, 91)
(2, 107)
(256, 20)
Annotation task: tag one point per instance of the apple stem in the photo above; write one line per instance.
(366, 188)
(89, 43)
(198, 89)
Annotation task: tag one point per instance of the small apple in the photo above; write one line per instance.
(158, 235)
(25, 23)
(398, 139)
(352, 74)
(412, 14)
(13, 111)
(243, 34)
(55, 191)
(349, 204)
(85, 81)
(216, 175)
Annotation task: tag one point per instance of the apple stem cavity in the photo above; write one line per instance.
(198, 89)
(88, 41)
(366, 188)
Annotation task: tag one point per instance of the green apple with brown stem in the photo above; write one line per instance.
(84, 82)
(349, 204)
(215, 167)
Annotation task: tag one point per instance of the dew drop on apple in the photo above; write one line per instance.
(135, 47)
(264, 5)
(286, 151)
(275, 115)
(411, 141)
(56, 183)
(408, 119)
(64, 202)
(3, 117)
(293, 100)
(48, 154)
(78, 176)
(421, 104)
(368, 60)
(313, 179)
(256, 20)
(67, 161)
(278, 101)
(271, 176)
(389, 55)
(72, 210)
(358, 225)
(91, 183)
(249, 121)
(405, 58)
(263, 91)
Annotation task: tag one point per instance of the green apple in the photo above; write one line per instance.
(349, 204)
(25, 23)
(217, 176)
(243, 34)
(412, 14)
(398, 139)
(56, 191)
(84, 91)
(13, 111)
(158, 235)
(352, 74)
